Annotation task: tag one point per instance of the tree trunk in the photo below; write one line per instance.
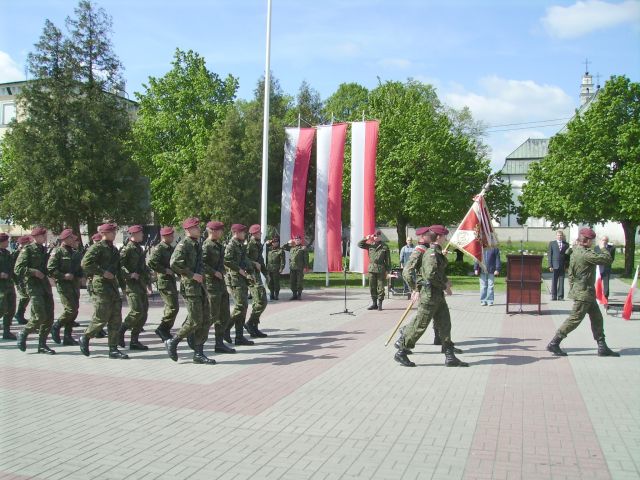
(75, 226)
(401, 229)
(629, 246)
(92, 228)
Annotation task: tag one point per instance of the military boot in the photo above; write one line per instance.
(277, 295)
(163, 332)
(451, 360)
(191, 342)
(374, 304)
(55, 332)
(294, 296)
(117, 354)
(299, 295)
(227, 335)
(6, 330)
(436, 336)
(379, 305)
(455, 350)
(43, 348)
(399, 344)
(221, 347)
(554, 346)
(242, 340)
(84, 345)
(121, 331)
(200, 357)
(172, 347)
(68, 339)
(22, 339)
(101, 334)
(271, 296)
(135, 344)
(19, 318)
(402, 359)
(604, 350)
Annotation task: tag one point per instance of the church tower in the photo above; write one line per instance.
(587, 89)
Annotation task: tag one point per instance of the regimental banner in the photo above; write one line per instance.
(330, 161)
(297, 152)
(628, 304)
(364, 143)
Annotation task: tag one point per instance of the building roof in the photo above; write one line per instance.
(518, 161)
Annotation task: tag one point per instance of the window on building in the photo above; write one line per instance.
(8, 113)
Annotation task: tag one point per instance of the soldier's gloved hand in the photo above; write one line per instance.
(68, 276)
(108, 275)
(197, 277)
(135, 276)
(38, 274)
(415, 295)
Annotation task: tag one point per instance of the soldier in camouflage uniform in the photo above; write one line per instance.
(434, 284)
(258, 292)
(7, 290)
(102, 263)
(213, 262)
(239, 276)
(32, 265)
(160, 262)
(64, 268)
(186, 261)
(137, 278)
(379, 266)
(298, 261)
(582, 274)
(275, 264)
(23, 295)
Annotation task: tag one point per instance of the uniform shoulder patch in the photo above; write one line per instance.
(421, 248)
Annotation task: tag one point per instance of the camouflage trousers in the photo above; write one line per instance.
(432, 306)
(274, 283)
(70, 299)
(296, 279)
(259, 302)
(171, 307)
(138, 309)
(578, 312)
(377, 285)
(219, 315)
(107, 311)
(23, 301)
(7, 306)
(197, 321)
(41, 315)
(239, 314)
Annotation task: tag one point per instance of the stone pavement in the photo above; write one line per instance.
(322, 398)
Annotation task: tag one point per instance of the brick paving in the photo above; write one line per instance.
(322, 398)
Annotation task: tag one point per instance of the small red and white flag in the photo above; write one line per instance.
(602, 300)
(628, 304)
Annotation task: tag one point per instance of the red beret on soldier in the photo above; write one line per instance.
(586, 232)
(134, 229)
(96, 237)
(165, 231)
(255, 228)
(4, 237)
(191, 222)
(238, 227)
(107, 227)
(438, 229)
(422, 230)
(215, 225)
(25, 239)
(66, 233)
(38, 231)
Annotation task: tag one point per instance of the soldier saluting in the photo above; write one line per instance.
(275, 265)
(160, 262)
(379, 265)
(298, 260)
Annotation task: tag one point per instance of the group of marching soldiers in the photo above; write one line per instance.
(208, 272)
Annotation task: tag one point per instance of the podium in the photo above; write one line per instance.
(524, 279)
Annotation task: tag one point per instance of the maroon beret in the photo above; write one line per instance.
(164, 231)
(4, 237)
(134, 229)
(96, 237)
(438, 229)
(107, 227)
(191, 222)
(255, 228)
(587, 232)
(38, 231)
(66, 233)
(238, 227)
(215, 225)
(24, 240)
(422, 230)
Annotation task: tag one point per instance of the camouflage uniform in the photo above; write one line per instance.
(275, 265)
(258, 292)
(298, 261)
(213, 262)
(159, 262)
(23, 295)
(7, 293)
(234, 261)
(65, 260)
(379, 265)
(132, 261)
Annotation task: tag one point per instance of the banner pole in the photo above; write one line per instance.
(265, 128)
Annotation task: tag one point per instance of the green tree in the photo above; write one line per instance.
(592, 172)
(178, 113)
(65, 162)
(347, 103)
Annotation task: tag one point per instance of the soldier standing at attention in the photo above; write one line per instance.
(582, 275)
(239, 277)
(136, 278)
(23, 295)
(258, 292)
(218, 297)
(160, 262)
(102, 263)
(432, 302)
(379, 265)
(275, 265)
(64, 268)
(32, 265)
(186, 261)
(95, 238)
(298, 260)
(7, 290)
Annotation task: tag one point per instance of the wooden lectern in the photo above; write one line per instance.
(524, 278)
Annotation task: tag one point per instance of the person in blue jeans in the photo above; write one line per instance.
(491, 257)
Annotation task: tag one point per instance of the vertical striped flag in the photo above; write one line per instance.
(602, 300)
(328, 230)
(628, 304)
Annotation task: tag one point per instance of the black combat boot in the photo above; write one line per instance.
(451, 360)
(84, 345)
(379, 305)
(604, 350)
(374, 304)
(294, 296)
(436, 336)
(22, 339)
(221, 347)
(259, 333)
(399, 344)
(455, 350)
(172, 347)
(101, 334)
(117, 354)
(19, 318)
(277, 295)
(135, 344)
(227, 335)
(402, 359)
(68, 339)
(242, 340)
(299, 295)
(6, 330)
(271, 296)
(191, 342)
(121, 331)
(55, 332)
(43, 348)
(201, 358)
(163, 332)
(250, 328)
(554, 346)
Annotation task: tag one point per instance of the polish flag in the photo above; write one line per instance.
(330, 161)
(297, 152)
(364, 142)
(628, 304)
(602, 300)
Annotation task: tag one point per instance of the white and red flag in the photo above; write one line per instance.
(297, 152)
(602, 300)
(364, 143)
(628, 304)
(475, 232)
(330, 162)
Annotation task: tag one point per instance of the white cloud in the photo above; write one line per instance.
(394, 63)
(584, 17)
(9, 69)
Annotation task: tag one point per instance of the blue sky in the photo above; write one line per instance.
(509, 61)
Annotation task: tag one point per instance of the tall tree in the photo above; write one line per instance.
(592, 172)
(178, 113)
(65, 162)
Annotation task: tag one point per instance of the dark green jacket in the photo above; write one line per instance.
(65, 260)
(160, 261)
(433, 268)
(212, 262)
(275, 259)
(102, 257)
(412, 271)
(235, 259)
(132, 260)
(379, 256)
(582, 272)
(254, 253)
(33, 257)
(6, 266)
(186, 261)
(298, 256)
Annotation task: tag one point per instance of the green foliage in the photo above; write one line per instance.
(177, 115)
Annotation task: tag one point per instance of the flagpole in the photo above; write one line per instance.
(265, 127)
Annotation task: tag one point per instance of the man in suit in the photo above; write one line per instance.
(605, 270)
(557, 263)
